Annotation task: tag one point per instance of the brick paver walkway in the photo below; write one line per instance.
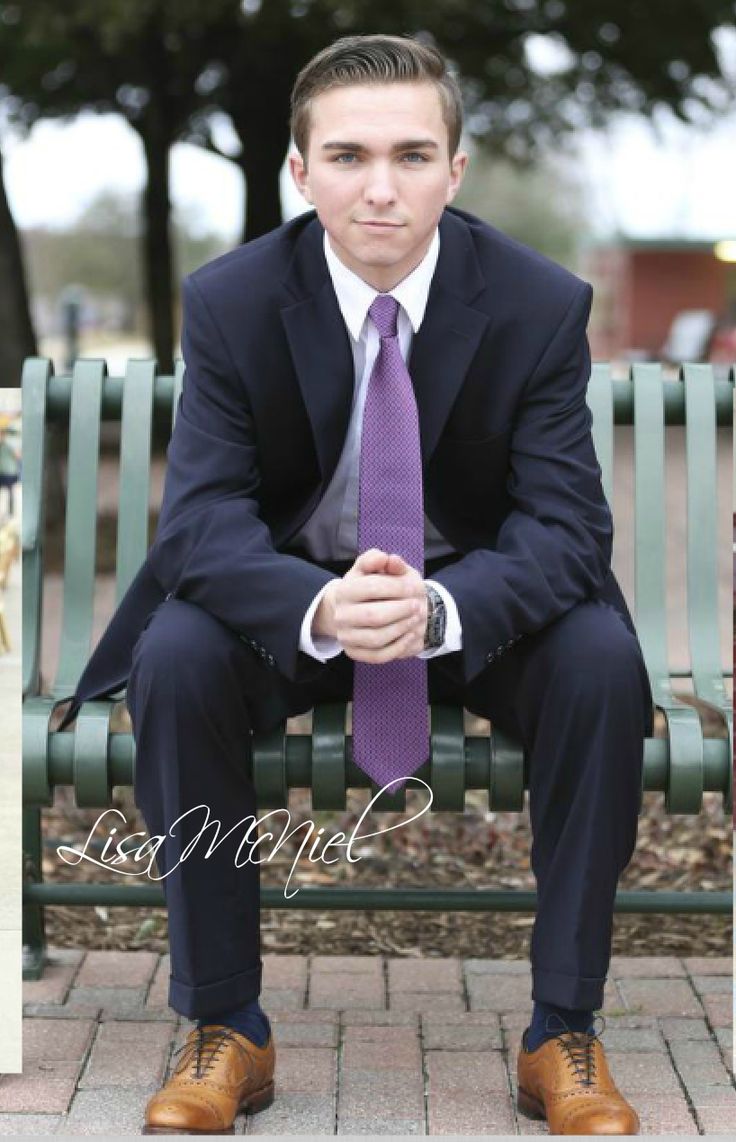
(370, 1045)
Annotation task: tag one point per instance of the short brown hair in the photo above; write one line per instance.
(374, 59)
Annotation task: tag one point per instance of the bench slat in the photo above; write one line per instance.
(92, 780)
(650, 526)
(702, 536)
(448, 759)
(36, 373)
(135, 472)
(38, 776)
(702, 540)
(81, 524)
(330, 746)
(685, 735)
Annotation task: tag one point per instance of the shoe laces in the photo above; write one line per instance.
(579, 1048)
(204, 1046)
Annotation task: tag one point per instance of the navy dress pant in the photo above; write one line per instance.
(576, 694)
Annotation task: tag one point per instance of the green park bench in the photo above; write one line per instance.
(684, 758)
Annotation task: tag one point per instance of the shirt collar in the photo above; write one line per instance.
(355, 296)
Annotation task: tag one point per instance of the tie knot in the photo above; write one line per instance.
(383, 313)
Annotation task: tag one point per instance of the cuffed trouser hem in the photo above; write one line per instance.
(576, 992)
(212, 998)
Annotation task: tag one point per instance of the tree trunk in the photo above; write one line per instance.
(157, 253)
(264, 149)
(17, 338)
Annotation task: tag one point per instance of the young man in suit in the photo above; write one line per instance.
(382, 485)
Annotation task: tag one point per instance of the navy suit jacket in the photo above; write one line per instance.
(500, 367)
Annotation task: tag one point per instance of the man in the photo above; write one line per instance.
(386, 367)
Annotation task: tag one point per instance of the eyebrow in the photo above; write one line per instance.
(408, 145)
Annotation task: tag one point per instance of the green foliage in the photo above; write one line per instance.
(187, 57)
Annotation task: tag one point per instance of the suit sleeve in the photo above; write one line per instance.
(212, 547)
(553, 549)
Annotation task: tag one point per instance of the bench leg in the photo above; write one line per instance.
(34, 935)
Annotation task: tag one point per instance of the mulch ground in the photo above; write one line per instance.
(477, 849)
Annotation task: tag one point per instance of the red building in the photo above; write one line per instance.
(640, 285)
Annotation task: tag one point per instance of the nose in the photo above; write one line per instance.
(379, 187)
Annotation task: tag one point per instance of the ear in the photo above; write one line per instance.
(299, 174)
(458, 166)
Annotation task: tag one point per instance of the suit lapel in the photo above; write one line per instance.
(323, 361)
(450, 333)
(442, 349)
(320, 346)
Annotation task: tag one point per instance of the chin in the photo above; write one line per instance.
(384, 251)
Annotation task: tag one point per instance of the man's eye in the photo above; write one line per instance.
(344, 155)
(415, 155)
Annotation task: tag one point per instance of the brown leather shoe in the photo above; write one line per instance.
(219, 1073)
(567, 1081)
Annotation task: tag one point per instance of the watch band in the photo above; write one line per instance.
(434, 634)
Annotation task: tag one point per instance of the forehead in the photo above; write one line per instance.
(378, 113)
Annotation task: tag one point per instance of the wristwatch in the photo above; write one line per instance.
(434, 634)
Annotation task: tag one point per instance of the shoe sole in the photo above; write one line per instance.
(529, 1106)
(259, 1100)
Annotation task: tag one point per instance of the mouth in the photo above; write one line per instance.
(381, 225)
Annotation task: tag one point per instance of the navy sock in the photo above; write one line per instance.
(248, 1019)
(549, 1021)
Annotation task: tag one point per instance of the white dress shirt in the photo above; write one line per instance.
(331, 532)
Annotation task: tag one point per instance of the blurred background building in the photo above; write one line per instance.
(670, 299)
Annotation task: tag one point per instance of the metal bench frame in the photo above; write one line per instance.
(683, 763)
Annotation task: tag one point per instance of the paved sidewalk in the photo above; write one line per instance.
(370, 1045)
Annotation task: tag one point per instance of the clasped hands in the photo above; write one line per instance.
(377, 611)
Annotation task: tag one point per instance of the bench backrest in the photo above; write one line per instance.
(697, 400)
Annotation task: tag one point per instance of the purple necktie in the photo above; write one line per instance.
(390, 713)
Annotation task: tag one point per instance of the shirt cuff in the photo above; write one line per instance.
(320, 646)
(453, 629)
